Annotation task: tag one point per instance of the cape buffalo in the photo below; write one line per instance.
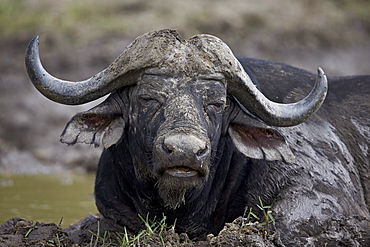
(188, 134)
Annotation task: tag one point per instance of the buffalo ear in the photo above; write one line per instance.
(260, 143)
(93, 129)
(99, 124)
(252, 137)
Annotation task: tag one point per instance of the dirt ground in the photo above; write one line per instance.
(79, 40)
(96, 231)
(19, 232)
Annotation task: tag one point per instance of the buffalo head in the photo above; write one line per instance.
(171, 101)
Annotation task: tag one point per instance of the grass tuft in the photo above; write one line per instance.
(153, 231)
(250, 218)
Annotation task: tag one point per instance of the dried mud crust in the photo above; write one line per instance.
(20, 232)
(96, 231)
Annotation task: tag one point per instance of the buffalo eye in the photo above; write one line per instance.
(217, 107)
(147, 99)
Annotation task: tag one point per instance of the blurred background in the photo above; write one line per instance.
(81, 38)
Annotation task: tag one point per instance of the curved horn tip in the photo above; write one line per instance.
(36, 38)
(322, 79)
(34, 41)
(32, 46)
(321, 72)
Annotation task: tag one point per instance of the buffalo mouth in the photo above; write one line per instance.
(181, 172)
(174, 181)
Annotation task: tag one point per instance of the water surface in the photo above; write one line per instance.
(47, 198)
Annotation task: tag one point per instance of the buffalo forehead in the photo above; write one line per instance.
(166, 85)
(179, 69)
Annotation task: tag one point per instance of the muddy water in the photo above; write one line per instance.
(47, 198)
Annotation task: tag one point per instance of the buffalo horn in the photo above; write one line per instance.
(61, 91)
(273, 113)
(113, 77)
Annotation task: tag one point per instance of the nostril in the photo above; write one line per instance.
(202, 152)
(166, 149)
(183, 147)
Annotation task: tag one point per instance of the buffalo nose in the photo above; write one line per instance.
(180, 145)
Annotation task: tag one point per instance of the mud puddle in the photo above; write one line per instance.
(63, 198)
